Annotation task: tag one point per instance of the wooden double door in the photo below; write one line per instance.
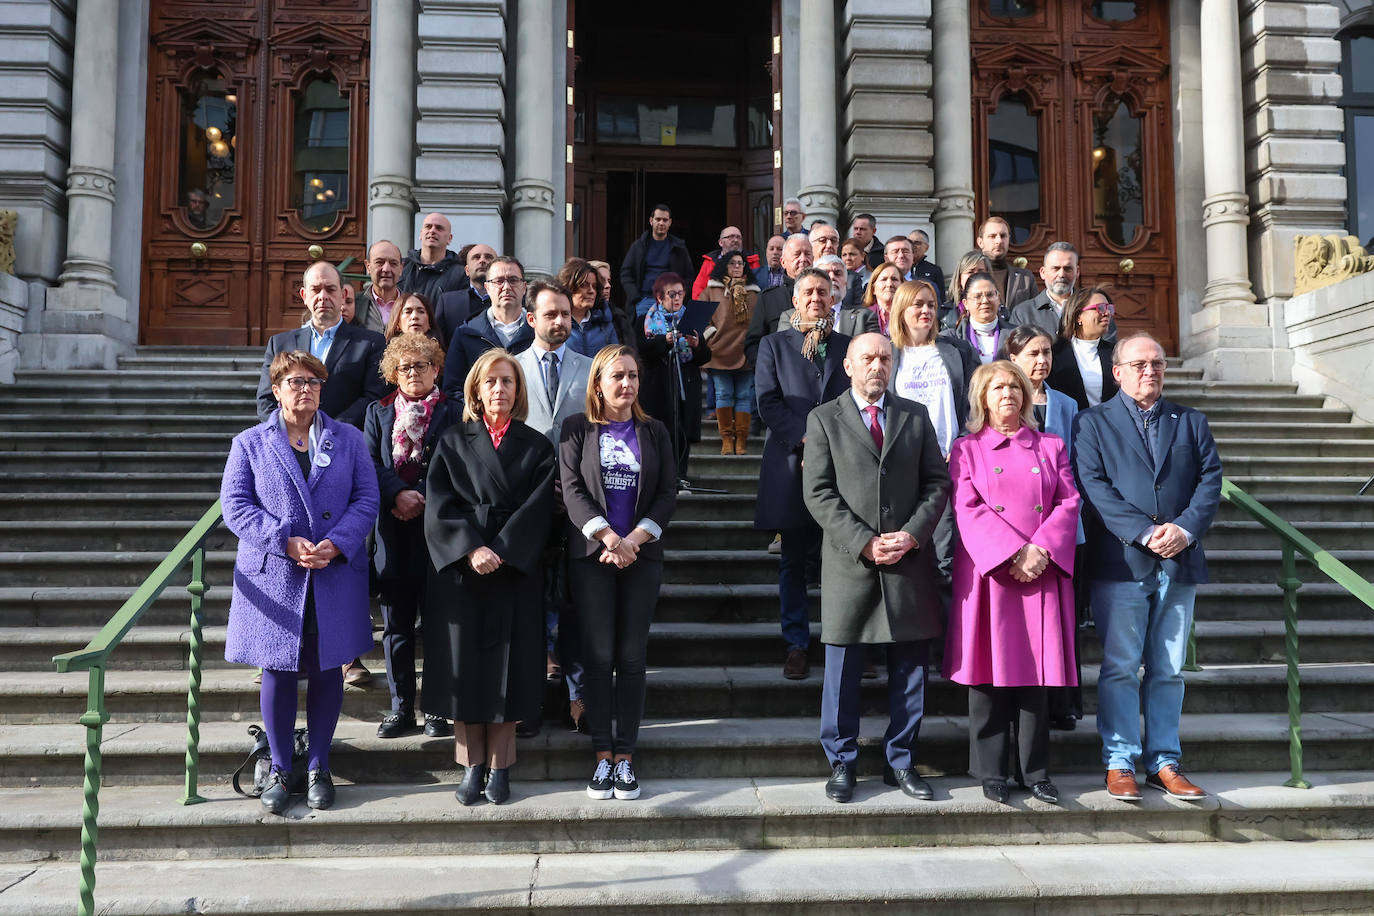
(1074, 142)
(255, 161)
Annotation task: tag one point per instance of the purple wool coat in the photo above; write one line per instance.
(266, 501)
(1008, 492)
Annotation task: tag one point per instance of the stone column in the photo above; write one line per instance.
(391, 127)
(532, 192)
(1226, 207)
(85, 322)
(953, 96)
(819, 191)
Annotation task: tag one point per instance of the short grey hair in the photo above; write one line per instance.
(828, 259)
(797, 201)
(1062, 246)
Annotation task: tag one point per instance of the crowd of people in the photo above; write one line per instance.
(974, 471)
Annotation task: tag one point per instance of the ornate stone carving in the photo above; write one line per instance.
(1226, 208)
(9, 225)
(1321, 260)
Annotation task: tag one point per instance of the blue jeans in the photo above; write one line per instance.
(642, 307)
(734, 388)
(799, 546)
(1145, 622)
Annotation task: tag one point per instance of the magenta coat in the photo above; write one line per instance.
(1008, 492)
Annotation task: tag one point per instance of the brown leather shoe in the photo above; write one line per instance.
(355, 674)
(796, 668)
(1121, 784)
(1170, 779)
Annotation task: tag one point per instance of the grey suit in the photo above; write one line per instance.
(573, 369)
(851, 322)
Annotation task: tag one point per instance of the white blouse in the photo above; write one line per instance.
(1090, 367)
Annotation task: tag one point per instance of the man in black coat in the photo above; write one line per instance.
(796, 257)
(501, 325)
(351, 354)
(432, 270)
(457, 307)
(653, 253)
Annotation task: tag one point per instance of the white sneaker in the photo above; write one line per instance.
(626, 786)
(600, 787)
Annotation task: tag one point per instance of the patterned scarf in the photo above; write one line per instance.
(738, 297)
(816, 332)
(412, 422)
(660, 321)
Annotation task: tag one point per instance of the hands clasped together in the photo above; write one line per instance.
(311, 556)
(1029, 562)
(619, 551)
(1167, 540)
(409, 504)
(886, 549)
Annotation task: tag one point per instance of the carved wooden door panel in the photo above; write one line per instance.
(1072, 128)
(256, 155)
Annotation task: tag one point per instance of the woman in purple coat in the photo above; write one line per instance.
(300, 493)
(1011, 622)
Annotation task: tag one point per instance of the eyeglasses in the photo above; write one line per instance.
(1138, 366)
(1105, 308)
(505, 281)
(413, 368)
(675, 294)
(299, 383)
(792, 213)
(982, 297)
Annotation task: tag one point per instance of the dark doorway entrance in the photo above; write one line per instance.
(697, 202)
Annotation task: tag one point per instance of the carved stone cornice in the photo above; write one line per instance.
(1321, 260)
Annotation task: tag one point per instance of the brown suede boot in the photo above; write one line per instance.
(725, 419)
(741, 432)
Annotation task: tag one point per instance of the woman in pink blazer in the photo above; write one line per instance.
(1011, 624)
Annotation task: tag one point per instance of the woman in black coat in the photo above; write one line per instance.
(1082, 357)
(667, 357)
(487, 517)
(412, 364)
(619, 485)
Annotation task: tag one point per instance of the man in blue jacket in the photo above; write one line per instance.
(1151, 482)
(653, 253)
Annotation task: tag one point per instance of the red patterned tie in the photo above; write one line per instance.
(873, 426)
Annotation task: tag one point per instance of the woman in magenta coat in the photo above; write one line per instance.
(1011, 626)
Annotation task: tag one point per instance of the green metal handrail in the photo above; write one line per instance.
(94, 657)
(1294, 542)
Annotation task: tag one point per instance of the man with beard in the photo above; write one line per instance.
(458, 307)
(1060, 274)
(384, 269)
(1014, 284)
(432, 270)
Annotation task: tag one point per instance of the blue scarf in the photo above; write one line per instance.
(659, 322)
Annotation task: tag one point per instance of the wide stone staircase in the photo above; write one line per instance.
(102, 472)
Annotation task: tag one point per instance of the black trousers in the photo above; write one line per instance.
(614, 610)
(1000, 718)
(398, 647)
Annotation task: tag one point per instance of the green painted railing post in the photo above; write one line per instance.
(94, 719)
(197, 590)
(1290, 584)
(1190, 657)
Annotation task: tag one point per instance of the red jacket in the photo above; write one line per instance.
(708, 264)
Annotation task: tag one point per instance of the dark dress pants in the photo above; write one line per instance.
(1006, 719)
(399, 609)
(841, 702)
(799, 549)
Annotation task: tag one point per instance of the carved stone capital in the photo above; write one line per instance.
(88, 181)
(1225, 208)
(531, 194)
(1321, 260)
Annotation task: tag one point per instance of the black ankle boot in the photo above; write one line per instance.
(470, 789)
(498, 786)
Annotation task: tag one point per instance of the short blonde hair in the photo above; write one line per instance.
(472, 402)
(402, 344)
(596, 406)
(871, 291)
(978, 394)
(287, 360)
(903, 299)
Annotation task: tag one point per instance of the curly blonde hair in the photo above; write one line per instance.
(410, 344)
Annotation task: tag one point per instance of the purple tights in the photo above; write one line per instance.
(323, 703)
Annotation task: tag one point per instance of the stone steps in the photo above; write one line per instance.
(675, 692)
(145, 823)
(153, 753)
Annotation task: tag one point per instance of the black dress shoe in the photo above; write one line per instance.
(396, 724)
(840, 785)
(498, 786)
(438, 727)
(276, 798)
(1046, 792)
(996, 790)
(470, 789)
(320, 793)
(527, 728)
(909, 782)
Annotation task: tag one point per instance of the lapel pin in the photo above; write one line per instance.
(1173, 416)
(322, 460)
(327, 444)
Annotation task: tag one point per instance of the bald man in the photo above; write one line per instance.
(432, 269)
(731, 239)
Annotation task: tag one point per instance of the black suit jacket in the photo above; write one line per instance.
(455, 309)
(1067, 379)
(772, 303)
(471, 341)
(354, 380)
(584, 494)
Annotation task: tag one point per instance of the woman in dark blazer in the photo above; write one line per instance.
(301, 495)
(1082, 366)
(667, 357)
(412, 362)
(981, 326)
(619, 484)
(487, 514)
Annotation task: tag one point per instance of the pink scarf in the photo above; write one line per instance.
(412, 422)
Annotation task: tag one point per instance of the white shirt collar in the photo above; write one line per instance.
(863, 405)
(538, 347)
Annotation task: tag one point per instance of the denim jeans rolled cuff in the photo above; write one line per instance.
(798, 544)
(1147, 623)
